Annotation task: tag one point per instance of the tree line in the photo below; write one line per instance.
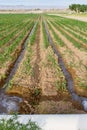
(78, 8)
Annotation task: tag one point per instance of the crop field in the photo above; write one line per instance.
(72, 37)
(43, 60)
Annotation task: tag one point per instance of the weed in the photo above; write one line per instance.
(14, 124)
(34, 95)
(83, 85)
(3, 76)
(37, 92)
(61, 85)
(10, 84)
(85, 67)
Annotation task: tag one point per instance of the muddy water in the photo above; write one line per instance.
(9, 104)
(68, 76)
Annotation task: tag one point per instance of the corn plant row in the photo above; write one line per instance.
(25, 68)
(60, 42)
(75, 43)
(7, 20)
(15, 25)
(75, 25)
(79, 25)
(74, 29)
(13, 37)
(7, 55)
(81, 34)
(11, 20)
(73, 64)
(33, 36)
(12, 29)
(60, 82)
(73, 34)
(27, 65)
(15, 32)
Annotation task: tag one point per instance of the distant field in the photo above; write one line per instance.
(29, 68)
(81, 17)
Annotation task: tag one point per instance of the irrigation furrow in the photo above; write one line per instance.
(8, 103)
(19, 58)
(68, 76)
(69, 46)
(25, 81)
(15, 50)
(36, 77)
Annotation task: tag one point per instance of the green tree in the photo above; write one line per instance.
(78, 8)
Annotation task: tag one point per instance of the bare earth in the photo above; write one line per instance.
(77, 17)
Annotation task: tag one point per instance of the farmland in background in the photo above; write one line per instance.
(39, 78)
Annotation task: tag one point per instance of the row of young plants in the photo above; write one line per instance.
(22, 82)
(60, 83)
(7, 31)
(71, 61)
(74, 25)
(8, 57)
(15, 29)
(4, 23)
(10, 20)
(11, 27)
(75, 43)
(13, 33)
(24, 68)
(71, 28)
(52, 29)
(55, 28)
(60, 42)
(79, 25)
(80, 38)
